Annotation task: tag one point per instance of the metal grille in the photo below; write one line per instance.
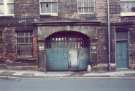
(86, 6)
(24, 43)
(67, 40)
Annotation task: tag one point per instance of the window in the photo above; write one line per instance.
(24, 44)
(127, 7)
(6, 7)
(86, 6)
(49, 7)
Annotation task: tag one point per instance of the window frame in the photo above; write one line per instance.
(20, 44)
(94, 6)
(49, 13)
(5, 8)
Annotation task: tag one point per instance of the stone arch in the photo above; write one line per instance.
(69, 36)
(59, 31)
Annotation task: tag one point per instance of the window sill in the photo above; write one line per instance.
(3, 16)
(22, 57)
(127, 14)
(48, 14)
(86, 13)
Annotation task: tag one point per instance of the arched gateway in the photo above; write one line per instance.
(67, 50)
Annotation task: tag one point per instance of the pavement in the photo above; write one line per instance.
(38, 74)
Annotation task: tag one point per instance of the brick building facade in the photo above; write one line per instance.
(44, 34)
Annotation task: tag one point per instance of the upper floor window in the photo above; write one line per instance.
(6, 7)
(49, 7)
(24, 44)
(86, 6)
(127, 7)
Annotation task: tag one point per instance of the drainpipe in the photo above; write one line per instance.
(109, 34)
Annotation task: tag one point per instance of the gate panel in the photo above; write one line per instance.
(57, 59)
(122, 54)
(73, 54)
(83, 58)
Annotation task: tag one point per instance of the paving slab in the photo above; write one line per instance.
(23, 73)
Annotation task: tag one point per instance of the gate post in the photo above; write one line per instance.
(42, 60)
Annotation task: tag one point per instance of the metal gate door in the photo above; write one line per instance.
(67, 51)
(57, 59)
(122, 54)
(73, 58)
(83, 57)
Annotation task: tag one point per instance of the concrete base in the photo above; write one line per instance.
(104, 67)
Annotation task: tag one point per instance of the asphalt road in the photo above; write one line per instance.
(68, 84)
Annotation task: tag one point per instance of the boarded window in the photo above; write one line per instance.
(24, 43)
(86, 6)
(122, 35)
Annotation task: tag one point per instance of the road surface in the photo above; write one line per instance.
(68, 84)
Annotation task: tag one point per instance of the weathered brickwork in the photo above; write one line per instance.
(115, 11)
(27, 18)
(101, 11)
(26, 8)
(131, 47)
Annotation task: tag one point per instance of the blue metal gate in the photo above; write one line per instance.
(122, 54)
(83, 58)
(67, 51)
(57, 59)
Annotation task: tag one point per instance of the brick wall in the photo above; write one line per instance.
(29, 9)
(26, 8)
